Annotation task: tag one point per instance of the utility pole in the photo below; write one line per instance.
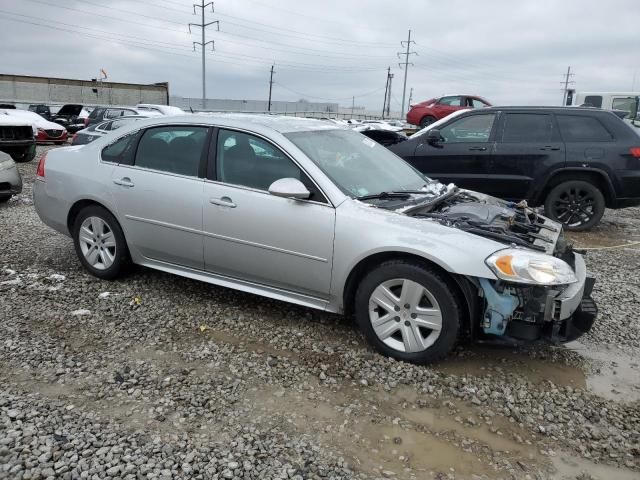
(386, 91)
(389, 96)
(353, 105)
(566, 83)
(410, 98)
(270, 87)
(406, 64)
(203, 25)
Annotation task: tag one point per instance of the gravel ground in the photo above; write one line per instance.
(156, 376)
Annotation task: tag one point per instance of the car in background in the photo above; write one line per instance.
(100, 114)
(424, 113)
(573, 161)
(71, 116)
(10, 179)
(46, 131)
(150, 109)
(88, 135)
(614, 101)
(41, 109)
(384, 137)
(382, 125)
(317, 215)
(17, 137)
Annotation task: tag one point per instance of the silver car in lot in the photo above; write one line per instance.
(10, 179)
(317, 215)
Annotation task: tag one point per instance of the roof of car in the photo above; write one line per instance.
(279, 123)
(555, 109)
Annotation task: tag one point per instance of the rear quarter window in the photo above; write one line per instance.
(577, 128)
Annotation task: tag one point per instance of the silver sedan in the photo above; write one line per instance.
(310, 213)
(10, 179)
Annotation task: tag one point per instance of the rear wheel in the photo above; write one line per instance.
(577, 204)
(408, 311)
(24, 157)
(427, 120)
(100, 243)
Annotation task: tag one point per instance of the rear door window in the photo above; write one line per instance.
(474, 128)
(593, 101)
(578, 128)
(453, 101)
(173, 149)
(527, 128)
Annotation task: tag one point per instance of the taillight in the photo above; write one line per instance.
(40, 170)
(635, 151)
(86, 121)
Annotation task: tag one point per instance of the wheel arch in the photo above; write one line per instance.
(592, 175)
(464, 288)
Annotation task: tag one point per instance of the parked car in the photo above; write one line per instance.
(98, 130)
(100, 114)
(17, 137)
(316, 215)
(71, 116)
(422, 114)
(385, 138)
(41, 109)
(573, 161)
(10, 179)
(614, 101)
(150, 109)
(46, 131)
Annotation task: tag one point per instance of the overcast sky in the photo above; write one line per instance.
(511, 52)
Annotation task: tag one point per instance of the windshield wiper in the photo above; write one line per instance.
(385, 195)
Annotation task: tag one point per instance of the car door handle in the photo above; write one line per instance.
(223, 202)
(477, 149)
(549, 147)
(124, 182)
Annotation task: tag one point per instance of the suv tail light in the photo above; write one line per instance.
(635, 151)
(40, 170)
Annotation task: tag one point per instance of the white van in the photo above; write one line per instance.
(621, 101)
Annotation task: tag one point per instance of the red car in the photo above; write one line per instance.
(55, 135)
(425, 113)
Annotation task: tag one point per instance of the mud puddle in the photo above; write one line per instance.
(395, 434)
(613, 374)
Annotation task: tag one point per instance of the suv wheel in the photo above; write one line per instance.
(426, 121)
(408, 312)
(577, 204)
(100, 243)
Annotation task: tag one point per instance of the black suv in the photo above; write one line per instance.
(574, 161)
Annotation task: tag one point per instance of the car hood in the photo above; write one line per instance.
(69, 111)
(505, 222)
(10, 120)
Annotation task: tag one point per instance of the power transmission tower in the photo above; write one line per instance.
(386, 91)
(270, 86)
(566, 83)
(406, 64)
(389, 96)
(203, 25)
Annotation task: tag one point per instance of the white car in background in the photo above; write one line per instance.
(43, 130)
(151, 109)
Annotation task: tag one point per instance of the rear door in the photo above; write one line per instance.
(464, 155)
(528, 147)
(159, 194)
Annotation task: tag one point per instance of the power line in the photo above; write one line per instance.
(406, 64)
(203, 27)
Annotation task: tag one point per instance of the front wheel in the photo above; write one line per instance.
(100, 243)
(408, 311)
(577, 204)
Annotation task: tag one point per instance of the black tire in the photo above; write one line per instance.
(121, 260)
(577, 204)
(438, 286)
(426, 121)
(24, 157)
(4, 198)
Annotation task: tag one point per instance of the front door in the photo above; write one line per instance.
(159, 197)
(463, 156)
(254, 236)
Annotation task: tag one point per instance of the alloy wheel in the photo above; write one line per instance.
(574, 206)
(405, 315)
(97, 243)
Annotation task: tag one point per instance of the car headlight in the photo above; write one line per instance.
(521, 266)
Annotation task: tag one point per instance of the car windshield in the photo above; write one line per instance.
(356, 164)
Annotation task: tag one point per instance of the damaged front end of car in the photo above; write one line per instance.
(542, 290)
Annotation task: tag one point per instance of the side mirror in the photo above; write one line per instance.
(289, 188)
(433, 137)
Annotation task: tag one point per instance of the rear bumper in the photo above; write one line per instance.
(51, 210)
(45, 137)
